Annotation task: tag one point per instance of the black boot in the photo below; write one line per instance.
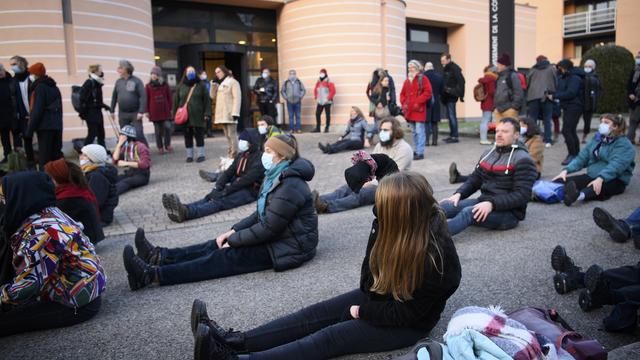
(326, 129)
(146, 251)
(176, 211)
(617, 229)
(453, 173)
(208, 176)
(568, 276)
(208, 348)
(316, 130)
(571, 193)
(323, 148)
(139, 273)
(233, 339)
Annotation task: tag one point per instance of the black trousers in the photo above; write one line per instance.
(570, 119)
(44, 315)
(163, 130)
(325, 330)
(20, 141)
(132, 179)
(267, 108)
(609, 188)
(5, 137)
(49, 146)
(343, 145)
(431, 131)
(327, 112)
(587, 115)
(95, 130)
(193, 131)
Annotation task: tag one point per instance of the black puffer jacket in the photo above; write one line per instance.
(270, 93)
(453, 83)
(290, 225)
(102, 182)
(84, 212)
(246, 171)
(504, 176)
(47, 106)
(429, 300)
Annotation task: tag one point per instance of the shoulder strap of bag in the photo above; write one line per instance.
(189, 96)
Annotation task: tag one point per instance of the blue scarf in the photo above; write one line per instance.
(270, 176)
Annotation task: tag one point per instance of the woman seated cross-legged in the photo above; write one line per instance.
(409, 271)
(281, 234)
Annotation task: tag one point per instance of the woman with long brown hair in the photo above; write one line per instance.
(409, 271)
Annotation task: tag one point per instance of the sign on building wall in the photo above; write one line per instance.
(501, 29)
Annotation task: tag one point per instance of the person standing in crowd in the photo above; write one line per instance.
(8, 111)
(267, 127)
(266, 91)
(58, 279)
(374, 87)
(323, 93)
(281, 234)
(213, 95)
(415, 94)
(384, 101)
(570, 93)
(228, 103)
(509, 94)
(75, 198)
(204, 80)
(159, 106)
(45, 107)
(22, 88)
(433, 111)
(452, 90)
(236, 186)
(542, 80)
(354, 138)
(609, 159)
(293, 92)
(410, 270)
(102, 178)
(133, 155)
(504, 175)
(192, 93)
(633, 94)
(91, 103)
(129, 95)
(488, 82)
(592, 93)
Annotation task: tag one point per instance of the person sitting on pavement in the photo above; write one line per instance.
(392, 143)
(619, 287)
(609, 159)
(504, 175)
(354, 138)
(410, 270)
(362, 181)
(281, 234)
(102, 178)
(58, 276)
(267, 127)
(133, 155)
(530, 133)
(75, 198)
(620, 230)
(238, 185)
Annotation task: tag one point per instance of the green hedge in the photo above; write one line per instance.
(613, 64)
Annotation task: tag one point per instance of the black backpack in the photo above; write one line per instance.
(75, 98)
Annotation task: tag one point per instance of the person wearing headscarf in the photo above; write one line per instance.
(59, 278)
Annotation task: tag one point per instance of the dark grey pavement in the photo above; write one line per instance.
(510, 268)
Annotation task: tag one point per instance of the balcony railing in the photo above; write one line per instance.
(590, 22)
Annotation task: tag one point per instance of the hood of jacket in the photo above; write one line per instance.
(541, 65)
(301, 168)
(26, 193)
(575, 71)
(109, 171)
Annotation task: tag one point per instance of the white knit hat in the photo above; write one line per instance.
(96, 153)
(591, 63)
(415, 63)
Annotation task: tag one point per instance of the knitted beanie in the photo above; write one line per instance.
(38, 70)
(281, 147)
(96, 153)
(58, 170)
(156, 70)
(505, 59)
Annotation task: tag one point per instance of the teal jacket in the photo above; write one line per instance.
(615, 160)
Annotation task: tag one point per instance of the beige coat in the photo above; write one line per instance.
(228, 101)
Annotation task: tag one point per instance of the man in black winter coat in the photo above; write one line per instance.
(92, 104)
(8, 111)
(452, 90)
(236, 186)
(266, 90)
(504, 175)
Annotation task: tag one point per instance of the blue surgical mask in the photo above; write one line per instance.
(262, 130)
(604, 129)
(267, 161)
(17, 69)
(588, 69)
(385, 135)
(191, 76)
(243, 145)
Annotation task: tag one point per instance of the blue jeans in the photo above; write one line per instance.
(535, 107)
(461, 217)
(634, 223)
(294, 112)
(343, 198)
(324, 331)
(419, 136)
(206, 207)
(453, 118)
(206, 261)
(484, 125)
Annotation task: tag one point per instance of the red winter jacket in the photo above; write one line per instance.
(159, 102)
(414, 98)
(489, 83)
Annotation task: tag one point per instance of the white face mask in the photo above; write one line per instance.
(84, 162)
(97, 78)
(267, 161)
(523, 130)
(604, 129)
(385, 135)
(588, 69)
(32, 78)
(265, 75)
(262, 130)
(243, 145)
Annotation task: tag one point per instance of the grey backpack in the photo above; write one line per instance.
(433, 348)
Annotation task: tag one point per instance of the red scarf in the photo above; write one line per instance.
(68, 191)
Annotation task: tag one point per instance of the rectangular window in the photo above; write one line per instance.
(419, 36)
(180, 35)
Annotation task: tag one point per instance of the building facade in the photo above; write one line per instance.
(348, 38)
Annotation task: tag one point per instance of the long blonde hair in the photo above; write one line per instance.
(405, 206)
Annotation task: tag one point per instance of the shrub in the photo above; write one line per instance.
(613, 64)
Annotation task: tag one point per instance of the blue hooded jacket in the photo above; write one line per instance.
(570, 89)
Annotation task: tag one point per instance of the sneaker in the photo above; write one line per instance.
(144, 248)
(321, 206)
(139, 273)
(547, 145)
(618, 230)
(207, 347)
(571, 193)
(451, 140)
(207, 176)
(324, 148)
(176, 211)
(453, 173)
(200, 159)
(199, 315)
(189, 159)
(485, 142)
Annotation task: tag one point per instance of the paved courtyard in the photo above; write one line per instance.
(510, 268)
